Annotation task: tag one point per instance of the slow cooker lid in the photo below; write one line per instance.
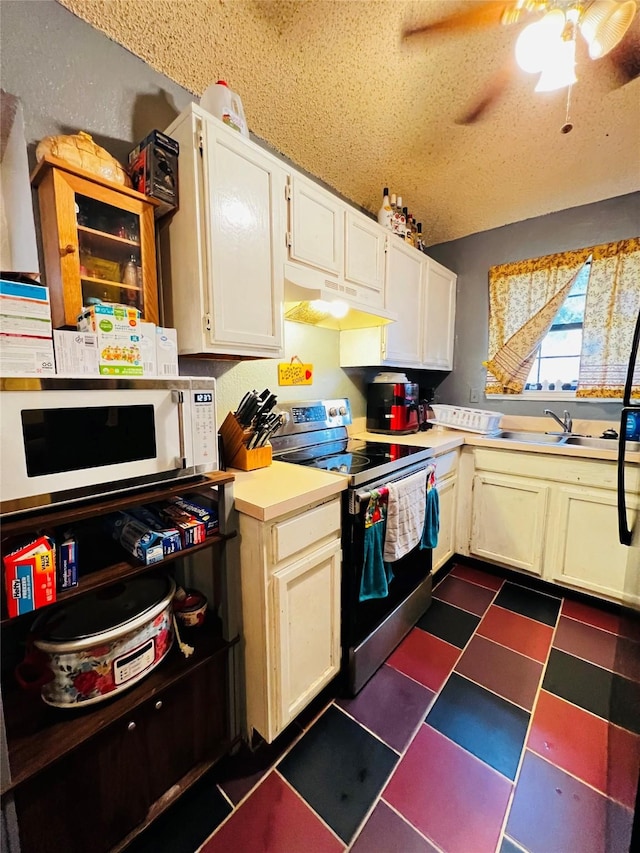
(104, 609)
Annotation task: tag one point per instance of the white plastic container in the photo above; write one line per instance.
(220, 101)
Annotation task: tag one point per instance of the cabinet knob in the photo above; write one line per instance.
(69, 249)
(131, 726)
(158, 705)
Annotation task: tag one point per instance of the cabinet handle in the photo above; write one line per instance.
(69, 249)
(158, 705)
(131, 726)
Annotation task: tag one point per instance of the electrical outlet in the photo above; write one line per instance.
(474, 395)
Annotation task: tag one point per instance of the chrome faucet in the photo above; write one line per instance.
(566, 423)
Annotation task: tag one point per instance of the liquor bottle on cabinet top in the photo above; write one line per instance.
(405, 222)
(385, 213)
(399, 220)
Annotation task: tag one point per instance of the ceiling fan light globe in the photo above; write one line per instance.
(532, 43)
(605, 23)
(560, 68)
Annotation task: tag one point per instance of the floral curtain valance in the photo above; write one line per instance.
(524, 298)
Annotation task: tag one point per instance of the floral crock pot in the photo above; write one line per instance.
(100, 644)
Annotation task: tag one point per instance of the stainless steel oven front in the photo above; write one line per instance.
(68, 439)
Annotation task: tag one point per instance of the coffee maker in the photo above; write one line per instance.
(393, 405)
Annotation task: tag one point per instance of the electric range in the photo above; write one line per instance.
(315, 435)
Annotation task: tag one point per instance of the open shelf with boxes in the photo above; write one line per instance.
(125, 758)
(98, 241)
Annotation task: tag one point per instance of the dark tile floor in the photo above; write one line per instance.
(507, 720)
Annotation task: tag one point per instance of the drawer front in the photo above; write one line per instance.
(446, 465)
(295, 534)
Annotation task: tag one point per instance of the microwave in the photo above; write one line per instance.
(64, 440)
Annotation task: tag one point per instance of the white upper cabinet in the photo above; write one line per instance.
(316, 230)
(225, 253)
(422, 294)
(405, 292)
(439, 316)
(364, 257)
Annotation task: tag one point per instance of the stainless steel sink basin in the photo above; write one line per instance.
(530, 437)
(561, 440)
(600, 443)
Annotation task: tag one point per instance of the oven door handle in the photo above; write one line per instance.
(181, 460)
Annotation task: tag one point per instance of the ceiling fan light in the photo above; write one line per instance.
(560, 68)
(604, 24)
(532, 43)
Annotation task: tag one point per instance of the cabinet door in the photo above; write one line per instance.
(104, 784)
(404, 296)
(508, 520)
(306, 614)
(316, 226)
(244, 224)
(586, 552)
(364, 257)
(446, 536)
(439, 316)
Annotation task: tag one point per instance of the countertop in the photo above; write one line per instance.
(268, 493)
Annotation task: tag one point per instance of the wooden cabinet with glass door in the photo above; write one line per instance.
(98, 241)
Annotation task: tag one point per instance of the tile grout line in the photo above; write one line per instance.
(516, 779)
(310, 808)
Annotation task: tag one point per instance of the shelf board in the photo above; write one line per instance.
(106, 238)
(105, 282)
(38, 735)
(59, 515)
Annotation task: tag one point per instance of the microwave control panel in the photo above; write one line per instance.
(205, 439)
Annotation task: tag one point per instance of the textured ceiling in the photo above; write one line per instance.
(331, 85)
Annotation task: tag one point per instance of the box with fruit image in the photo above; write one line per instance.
(117, 328)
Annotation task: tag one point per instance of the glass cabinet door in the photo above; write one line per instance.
(110, 254)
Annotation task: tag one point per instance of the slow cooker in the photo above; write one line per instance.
(104, 642)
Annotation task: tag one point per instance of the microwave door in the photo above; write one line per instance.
(630, 415)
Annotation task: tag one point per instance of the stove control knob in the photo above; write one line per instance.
(343, 410)
(333, 412)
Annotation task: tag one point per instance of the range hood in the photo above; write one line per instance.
(313, 299)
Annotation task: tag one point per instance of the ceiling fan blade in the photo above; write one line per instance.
(488, 98)
(488, 13)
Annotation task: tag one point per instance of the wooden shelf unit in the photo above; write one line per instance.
(150, 742)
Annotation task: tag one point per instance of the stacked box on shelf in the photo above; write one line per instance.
(26, 344)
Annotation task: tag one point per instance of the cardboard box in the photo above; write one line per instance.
(118, 338)
(20, 356)
(137, 538)
(207, 515)
(67, 564)
(153, 166)
(24, 310)
(30, 576)
(76, 353)
(171, 539)
(166, 352)
(191, 529)
(26, 345)
(148, 348)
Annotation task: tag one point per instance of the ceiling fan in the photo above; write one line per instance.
(547, 41)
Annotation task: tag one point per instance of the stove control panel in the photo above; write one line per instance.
(305, 415)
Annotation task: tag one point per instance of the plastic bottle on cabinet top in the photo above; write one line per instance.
(219, 100)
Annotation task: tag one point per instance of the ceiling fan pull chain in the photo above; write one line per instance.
(567, 127)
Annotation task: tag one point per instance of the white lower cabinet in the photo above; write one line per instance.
(291, 571)
(446, 483)
(551, 515)
(508, 520)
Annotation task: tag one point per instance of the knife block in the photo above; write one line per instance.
(237, 455)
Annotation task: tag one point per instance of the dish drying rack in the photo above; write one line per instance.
(469, 420)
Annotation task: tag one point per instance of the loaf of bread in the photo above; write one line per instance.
(80, 150)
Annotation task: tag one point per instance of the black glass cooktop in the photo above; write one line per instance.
(350, 456)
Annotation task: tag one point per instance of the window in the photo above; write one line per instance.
(557, 361)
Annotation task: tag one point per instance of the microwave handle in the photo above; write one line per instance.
(178, 397)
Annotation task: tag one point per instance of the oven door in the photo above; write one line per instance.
(66, 440)
(372, 629)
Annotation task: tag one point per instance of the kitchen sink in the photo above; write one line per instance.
(561, 440)
(600, 443)
(530, 437)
